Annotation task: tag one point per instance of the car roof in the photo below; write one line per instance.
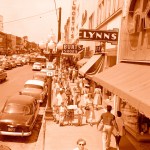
(43, 74)
(37, 63)
(35, 82)
(21, 99)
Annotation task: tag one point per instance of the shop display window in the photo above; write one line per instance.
(136, 121)
(144, 124)
(130, 116)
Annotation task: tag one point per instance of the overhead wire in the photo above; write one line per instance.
(30, 16)
(56, 9)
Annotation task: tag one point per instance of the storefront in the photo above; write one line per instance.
(126, 86)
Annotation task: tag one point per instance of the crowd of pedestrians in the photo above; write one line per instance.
(70, 102)
(76, 102)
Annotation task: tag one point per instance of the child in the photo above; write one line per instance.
(80, 113)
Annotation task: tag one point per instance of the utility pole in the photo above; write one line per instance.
(59, 24)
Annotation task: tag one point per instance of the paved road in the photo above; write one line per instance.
(15, 81)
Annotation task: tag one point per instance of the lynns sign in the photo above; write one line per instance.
(110, 36)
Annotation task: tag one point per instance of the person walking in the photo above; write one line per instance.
(80, 144)
(109, 123)
(97, 98)
(121, 128)
(89, 109)
(80, 113)
(62, 113)
(70, 112)
(77, 94)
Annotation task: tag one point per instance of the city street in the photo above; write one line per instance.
(15, 81)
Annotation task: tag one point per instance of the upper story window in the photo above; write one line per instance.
(106, 8)
(91, 21)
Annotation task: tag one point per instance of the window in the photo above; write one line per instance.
(91, 21)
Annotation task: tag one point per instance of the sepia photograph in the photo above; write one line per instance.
(75, 74)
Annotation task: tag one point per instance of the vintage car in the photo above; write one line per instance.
(3, 75)
(37, 66)
(40, 76)
(19, 115)
(19, 62)
(35, 88)
(7, 65)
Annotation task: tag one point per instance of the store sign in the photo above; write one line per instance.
(73, 18)
(110, 36)
(72, 48)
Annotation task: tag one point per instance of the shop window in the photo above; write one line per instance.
(144, 124)
(130, 116)
(136, 121)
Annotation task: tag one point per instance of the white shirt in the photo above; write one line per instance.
(120, 123)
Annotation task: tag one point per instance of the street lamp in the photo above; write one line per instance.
(42, 46)
(51, 46)
(59, 50)
(49, 111)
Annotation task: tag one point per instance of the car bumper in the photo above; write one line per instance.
(15, 133)
(36, 69)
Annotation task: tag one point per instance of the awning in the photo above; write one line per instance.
(82, 61)
(89, 64)
(130, 82)
(98, 69)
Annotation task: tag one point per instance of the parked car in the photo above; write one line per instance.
(19, 62)
(35, 88)
(37, 66)
(7, 65)
(40, 76)
(13, 63)
(3, 75)
(19, 115)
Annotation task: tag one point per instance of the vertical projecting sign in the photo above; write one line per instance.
(73, 18)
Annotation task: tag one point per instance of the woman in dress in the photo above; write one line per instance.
(89, 112)
(97, 98)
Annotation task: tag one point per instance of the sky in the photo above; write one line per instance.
(33, 18)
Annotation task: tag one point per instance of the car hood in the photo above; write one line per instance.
(31, 91)
(15, 118)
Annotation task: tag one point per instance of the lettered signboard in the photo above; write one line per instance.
(72, 48)
(110, 36)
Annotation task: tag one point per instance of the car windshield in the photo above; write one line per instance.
(38, 64)
(16, 109)
(33, 86)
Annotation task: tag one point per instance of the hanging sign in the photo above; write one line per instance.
(110, 36)
(72, 48)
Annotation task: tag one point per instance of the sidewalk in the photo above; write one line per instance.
(54, 137)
